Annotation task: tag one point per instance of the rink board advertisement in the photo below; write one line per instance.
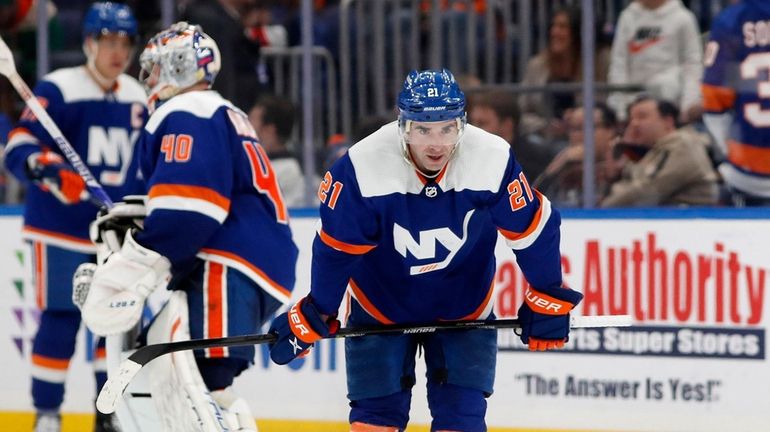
(695, 360)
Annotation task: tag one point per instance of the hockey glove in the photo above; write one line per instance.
(110, 227)
(115, 298)
(544, 317)
(49, 171)
(298, 329)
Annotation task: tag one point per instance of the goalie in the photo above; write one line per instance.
(216, 226)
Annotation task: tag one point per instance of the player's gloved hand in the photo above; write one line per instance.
(111, 225)
(117, 291)
(52, 174)
(544, 317)
(298, 329)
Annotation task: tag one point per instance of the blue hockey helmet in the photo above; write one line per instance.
(430, 96)
(107, 17)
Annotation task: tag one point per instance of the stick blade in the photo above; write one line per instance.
(7, 65)
(113, 389)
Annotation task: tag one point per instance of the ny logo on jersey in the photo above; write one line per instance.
(426, 247)
(111, 147)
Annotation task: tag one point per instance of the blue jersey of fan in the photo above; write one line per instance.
(212, 192)
(737, 83)
(414, 249)
(102, 127)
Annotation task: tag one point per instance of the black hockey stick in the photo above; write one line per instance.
(117, 383)
(8, 68)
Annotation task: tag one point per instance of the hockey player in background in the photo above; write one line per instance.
(100, 111)
(736, 98)
(216, 222)
(410, 218)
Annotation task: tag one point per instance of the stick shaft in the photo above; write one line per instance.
(147, 353)
(117, 383)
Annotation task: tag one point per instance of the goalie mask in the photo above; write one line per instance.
(177, 58)
(430, 96)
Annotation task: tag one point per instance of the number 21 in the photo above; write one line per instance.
(323, 190)
(517, 189)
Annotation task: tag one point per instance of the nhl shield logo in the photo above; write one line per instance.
(431, 191)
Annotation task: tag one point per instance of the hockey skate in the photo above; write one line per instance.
(47, 422)
(106, 423)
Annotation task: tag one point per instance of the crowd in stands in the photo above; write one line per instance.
(651, 148)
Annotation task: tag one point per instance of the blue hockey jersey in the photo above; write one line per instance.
(102, 127)
(414, 249)
(213, 194)
(736, 93)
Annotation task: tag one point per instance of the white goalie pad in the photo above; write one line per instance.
(168, 395)
(181, 399)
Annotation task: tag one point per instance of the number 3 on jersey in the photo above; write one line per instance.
(264, 179)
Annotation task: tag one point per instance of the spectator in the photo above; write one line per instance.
(563, 178)
(273, 119)
(496, 112)
(559, 62)
(657, 44)
(222, 20)
(667, 166)
(738, 122)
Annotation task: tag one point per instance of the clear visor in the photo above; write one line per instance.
(446, 133)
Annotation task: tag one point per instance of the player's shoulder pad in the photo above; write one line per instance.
(379, 164)
(130, 91)
(202, 104)
(480, 163)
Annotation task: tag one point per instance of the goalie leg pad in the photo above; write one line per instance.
(181, 399)
(235, 410)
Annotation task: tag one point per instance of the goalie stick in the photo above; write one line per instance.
(116, 384)
(8, 69)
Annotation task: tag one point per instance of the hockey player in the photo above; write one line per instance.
(735, 95)
(101, 111)
(410, 218)
(216, 221)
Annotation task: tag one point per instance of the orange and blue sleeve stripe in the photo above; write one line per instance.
(199, 199)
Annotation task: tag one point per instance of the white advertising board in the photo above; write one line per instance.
(695, 360)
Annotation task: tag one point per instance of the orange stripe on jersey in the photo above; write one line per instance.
(479, 310)
(512, 235)
(545, 304)
(18, 131)
(367, 305)
(717, 98)
(100, 353)
(750, 158)
(188, 191)
(50, 363)
(214, 307)
(40, 275)
(342, 246)
(251, 267)
(57, 235)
